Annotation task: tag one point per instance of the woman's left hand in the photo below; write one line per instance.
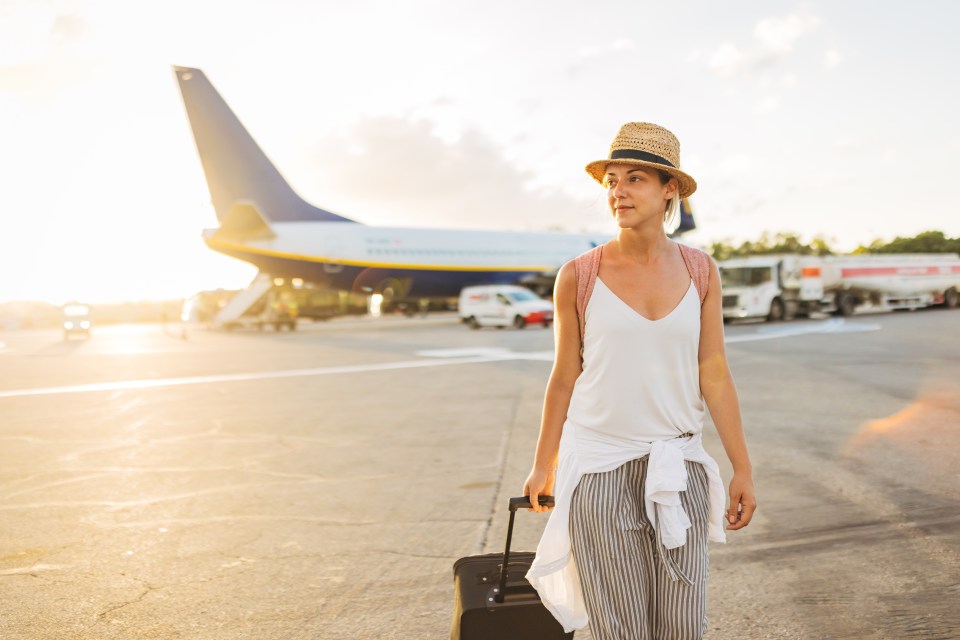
(743, 501)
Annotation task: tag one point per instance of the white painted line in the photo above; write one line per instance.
(262, 375)
(440, 357)
(463, 352)
(833, 325)
(37, 568)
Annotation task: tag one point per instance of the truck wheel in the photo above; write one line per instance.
(776, 310)
(519, 322)
(951, 298)
(846, 304)
(473, 322)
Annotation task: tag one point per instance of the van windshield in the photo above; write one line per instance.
(76, 310)
(522, 296)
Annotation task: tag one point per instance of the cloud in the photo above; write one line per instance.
(41, 51)
(68, 28)
(394, 171)
(735, 164)
(831, 58)
(852, 144)
(774, 39)
(778, 35)
(24, 33)
(768, 104)
(586, 56)
(727, 60)
(620, 44)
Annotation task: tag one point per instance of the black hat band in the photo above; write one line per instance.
(635, 154)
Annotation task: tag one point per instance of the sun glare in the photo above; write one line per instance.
(921, 430)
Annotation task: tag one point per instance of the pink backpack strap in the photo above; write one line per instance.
(698, 264)
(586, 267)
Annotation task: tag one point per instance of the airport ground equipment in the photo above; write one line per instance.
(264, 303)
(502, 306)
(76, 320)
(778, 287)
(232, 313)
(492, 598)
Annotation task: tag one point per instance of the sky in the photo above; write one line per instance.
(816, 118)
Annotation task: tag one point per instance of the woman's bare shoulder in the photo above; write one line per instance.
(565, 286)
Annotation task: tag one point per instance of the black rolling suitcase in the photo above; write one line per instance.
(494, 601)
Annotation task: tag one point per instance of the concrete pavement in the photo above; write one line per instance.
(320, 484)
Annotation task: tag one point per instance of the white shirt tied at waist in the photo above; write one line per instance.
(553, 572)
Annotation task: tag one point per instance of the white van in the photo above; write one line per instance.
(500, 305)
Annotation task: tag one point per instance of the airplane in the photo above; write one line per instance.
(263, 221)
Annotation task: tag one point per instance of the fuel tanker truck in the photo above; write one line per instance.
(778, 287)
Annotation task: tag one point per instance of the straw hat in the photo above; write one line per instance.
(647, 145)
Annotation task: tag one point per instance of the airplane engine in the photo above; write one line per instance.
(391, 288)
(371, 281)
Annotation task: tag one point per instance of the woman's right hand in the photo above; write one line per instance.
(539, 483)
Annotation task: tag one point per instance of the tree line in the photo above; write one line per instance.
(924, 242)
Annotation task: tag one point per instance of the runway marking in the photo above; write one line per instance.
(436, 358)
(128, 385)
(460, 352)
(37, 568)
(833, 325)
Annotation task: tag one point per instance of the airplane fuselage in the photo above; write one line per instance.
(409, 262)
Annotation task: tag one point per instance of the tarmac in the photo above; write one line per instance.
(158, 483)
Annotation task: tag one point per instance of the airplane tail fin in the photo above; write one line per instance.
(236, 168)
(686, 217)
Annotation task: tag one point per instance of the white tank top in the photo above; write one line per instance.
(641, 377)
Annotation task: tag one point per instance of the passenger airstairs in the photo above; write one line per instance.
(241, 303)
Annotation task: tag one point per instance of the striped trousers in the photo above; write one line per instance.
(634, 588)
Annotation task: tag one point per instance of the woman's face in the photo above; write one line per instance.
(635, 194)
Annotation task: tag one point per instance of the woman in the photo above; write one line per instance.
(636, 495)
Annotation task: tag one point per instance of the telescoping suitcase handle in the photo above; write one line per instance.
(522, 502)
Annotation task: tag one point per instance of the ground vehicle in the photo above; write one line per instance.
(774, 286)
(782, 286)
(76, 320)
(269, 302)
(501, 305)
(280, 311)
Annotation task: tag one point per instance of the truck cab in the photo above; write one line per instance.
(775, 287)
